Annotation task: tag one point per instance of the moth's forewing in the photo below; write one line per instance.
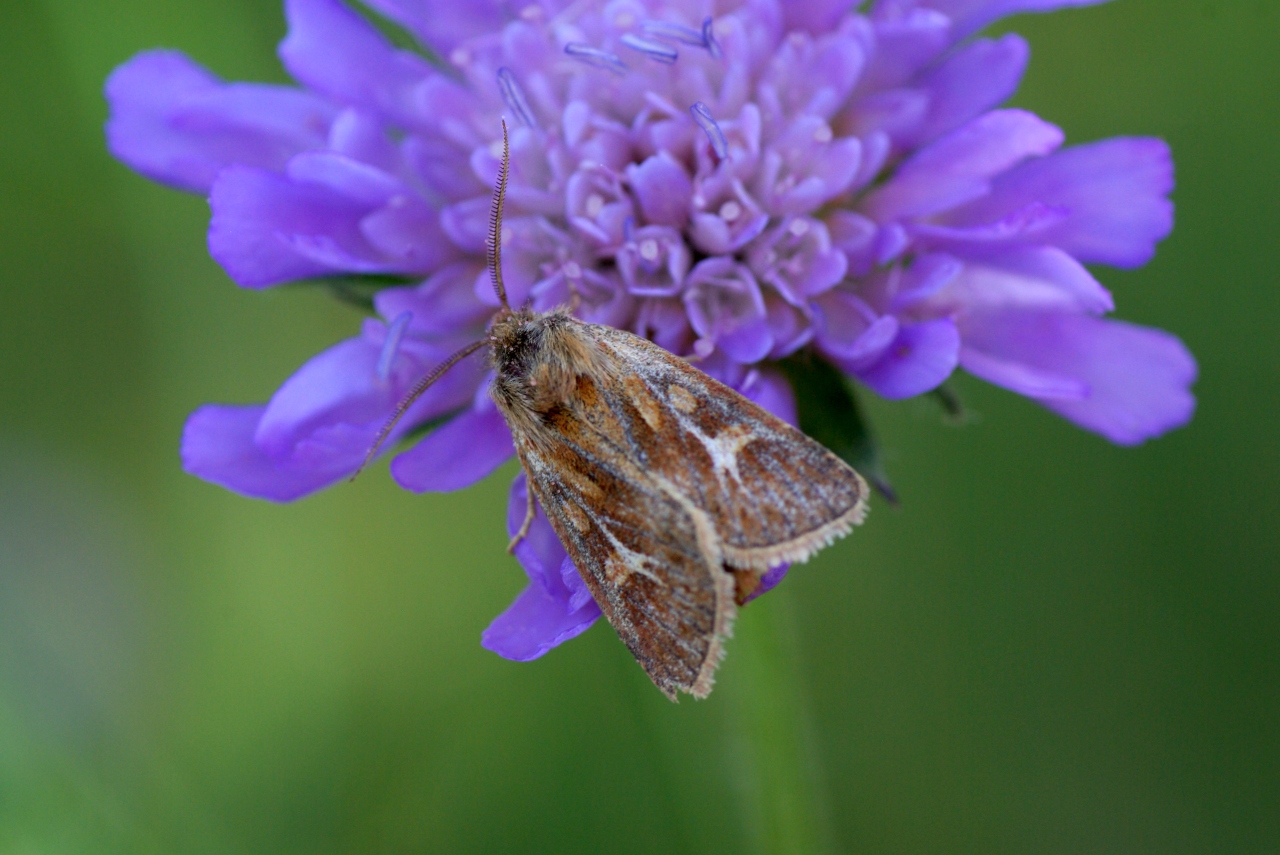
(773, 494)
(650, 558)
(659, 481)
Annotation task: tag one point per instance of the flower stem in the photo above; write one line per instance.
(772, 746)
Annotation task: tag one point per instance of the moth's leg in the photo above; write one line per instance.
(530, 510)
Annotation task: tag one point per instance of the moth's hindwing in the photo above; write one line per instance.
(659, 481)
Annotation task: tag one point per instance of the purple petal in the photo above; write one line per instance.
(176, 123)
(972, 15)
(806, 167)
(927, 275)
(726, 307)
(455, 455)
(726, 217)
(358, 182)
(654, 262)
(218, 446)
(407, 232)
(1133, 383)
(906, 41)
(920, 358)
(1037, 278)
(1114, 194)
(364, 137)
(855, 236)
(335, 385)
(333, 50)
(665, 322)
(814, 16)
(329, 214)
(662, 188)
(597, 206)
(958, 167)
(817, 75)
(976, 78)
(445, 303)
(321, 423)
(850, 332)
(262, 223)
(344, 384)
(443, 168)
(790, 326)
(1027, 225)
(798, 259)
(556, 606)
(770, 580)
(535, 623)
(771, 390)
(443, 25)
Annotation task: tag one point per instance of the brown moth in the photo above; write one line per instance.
(671, 492)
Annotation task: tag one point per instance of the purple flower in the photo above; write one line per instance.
(735, 179)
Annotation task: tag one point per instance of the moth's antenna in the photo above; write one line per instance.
(414, 394)
(495, 223)
(495, 271)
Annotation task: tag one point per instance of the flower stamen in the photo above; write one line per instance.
(702, 115)
(709, 38)
(513, 97)
(673, 33)
(596, 57)
(655, 51)
(391, 346)
(679, 33)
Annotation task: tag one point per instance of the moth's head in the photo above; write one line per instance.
(522, 340)
(515, 337)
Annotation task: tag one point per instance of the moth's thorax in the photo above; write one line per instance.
(538, 360)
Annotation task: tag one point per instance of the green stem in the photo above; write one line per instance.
(772, 744)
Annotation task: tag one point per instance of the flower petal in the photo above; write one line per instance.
(1036, 278)
(814, 16)
(770, 580)
(333, 50)
(267, 229)
(535, 623)
(176, 123)
(456, 454)
(972, 15)
(444, 304)
(1133, 382)
(1114, 194)
(958, 167)
(770, 389)
(662, 187)
(218, 446)
(906, 40)
(443, 25)
(726, 307)
(920, 358)
(320, 424)
(976, 78)
(555, 607)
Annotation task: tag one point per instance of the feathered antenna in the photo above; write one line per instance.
(495, 223)
(495, 270)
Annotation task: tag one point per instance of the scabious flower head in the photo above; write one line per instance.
(737, 180)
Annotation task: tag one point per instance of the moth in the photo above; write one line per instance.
(671, 492)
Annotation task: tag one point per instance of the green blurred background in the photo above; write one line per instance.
(1055, 645)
